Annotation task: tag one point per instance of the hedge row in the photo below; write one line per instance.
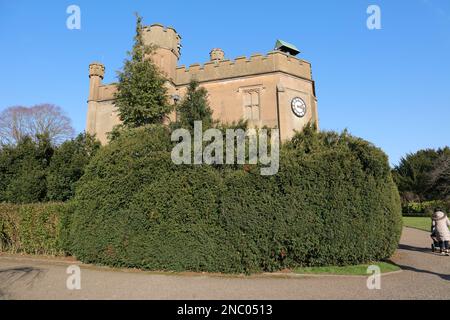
(424, 209)
(35, 171)
(332, 203)
(34, 228)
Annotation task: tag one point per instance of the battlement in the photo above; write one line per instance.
(274, 61)
(162, 37)
(96, 69)
(259, 88)
(107, 92)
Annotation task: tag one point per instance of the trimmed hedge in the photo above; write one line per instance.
(35, 171)
(424, 209)
(34, 228)
(332, 203)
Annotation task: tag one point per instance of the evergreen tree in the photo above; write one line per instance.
(195, 107)
(67, 166)
(417, 174)
(36, 171)
(23, 170)
(141, 98)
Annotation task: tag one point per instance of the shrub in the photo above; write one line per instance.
(332, 203)
(36, 171)
(23, 170)
(193, 107)
(33, 228)
(155, 213)
(424, 209)
(9, 225)
(347, 191)
(67, 166)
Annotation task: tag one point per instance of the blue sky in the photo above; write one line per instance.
(389, 86)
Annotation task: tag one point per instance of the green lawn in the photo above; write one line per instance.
(421, 223)
(358, 270)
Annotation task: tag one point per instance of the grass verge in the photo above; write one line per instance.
(421, 223)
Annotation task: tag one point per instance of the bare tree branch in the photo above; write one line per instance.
(439, 178)
(18, 122)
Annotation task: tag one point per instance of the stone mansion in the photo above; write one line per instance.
(275, 90)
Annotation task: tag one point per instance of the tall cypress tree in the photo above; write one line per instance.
(141, 98)
(195, 107)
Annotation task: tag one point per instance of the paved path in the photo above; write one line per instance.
(424, 276)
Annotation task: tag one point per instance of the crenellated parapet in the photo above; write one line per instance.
(274, 61)
(261, 89)
(96, 69)
(163, 37)
(166, 43)
(96, 74)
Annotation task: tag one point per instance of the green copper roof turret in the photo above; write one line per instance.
(286, 47)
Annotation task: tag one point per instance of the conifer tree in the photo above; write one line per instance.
(141, 98)
(195, 107)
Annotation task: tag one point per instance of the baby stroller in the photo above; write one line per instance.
(439, 231)
(435, 247)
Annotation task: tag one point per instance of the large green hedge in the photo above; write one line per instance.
(34, 228)
(34, 170)
(332, 203)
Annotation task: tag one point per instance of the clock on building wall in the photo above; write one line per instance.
(298, 107)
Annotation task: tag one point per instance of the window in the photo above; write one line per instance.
(251, 105)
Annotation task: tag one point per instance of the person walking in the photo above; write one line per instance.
(441, 224)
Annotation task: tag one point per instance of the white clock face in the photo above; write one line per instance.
(298, 107)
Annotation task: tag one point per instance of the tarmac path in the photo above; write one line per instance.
(424, 275)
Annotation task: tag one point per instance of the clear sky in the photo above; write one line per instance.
(389, 86)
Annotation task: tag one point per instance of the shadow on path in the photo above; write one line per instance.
(441, 275)
(11, 276)
(427, 251)
(416, 249)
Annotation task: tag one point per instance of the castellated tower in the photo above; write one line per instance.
(274, 90)
(96, 74)
(167, 47)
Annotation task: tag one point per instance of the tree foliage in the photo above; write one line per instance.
(419, 176)
(67, 166)
(35, 170)
(439, 177)
(141, 97)
(23, 170)
(195, 107)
